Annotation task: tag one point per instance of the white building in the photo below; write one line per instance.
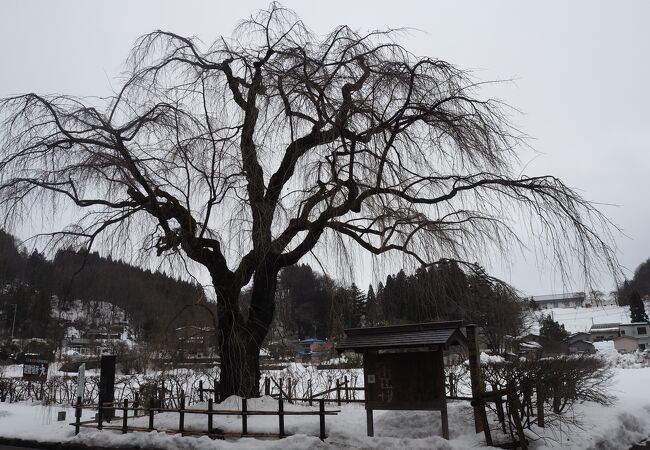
(566, 300)
(639, 330)
(604, 331)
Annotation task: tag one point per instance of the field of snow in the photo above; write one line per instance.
(614, 427)
(581, 319)
(618, 426)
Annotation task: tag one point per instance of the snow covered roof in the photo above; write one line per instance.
(569, 296)
(530, 345)
(605, 326)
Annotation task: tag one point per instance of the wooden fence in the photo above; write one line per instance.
(127, 407)
(344, 392)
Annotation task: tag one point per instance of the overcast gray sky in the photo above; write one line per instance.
(580, 72)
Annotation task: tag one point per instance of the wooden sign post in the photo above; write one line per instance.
(403, 366)
(107, 385)
(35, 368)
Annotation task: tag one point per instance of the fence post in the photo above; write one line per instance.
(244, 417)
(77, 416)
(162, 395)
(309, 392)
(136, 404)
(267, 386)
(151, 414)
(540, 405)
(125, 414)
(321, 413)
(281, 411)
(209, 415)
(100, 414)
(347, 390)
(181, 419)
(338, 392)
(201, 390)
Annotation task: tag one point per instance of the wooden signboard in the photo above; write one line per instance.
(35, 368)
(407, 380)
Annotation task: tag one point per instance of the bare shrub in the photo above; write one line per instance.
(559, 383)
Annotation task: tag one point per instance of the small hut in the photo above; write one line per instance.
(403, 365)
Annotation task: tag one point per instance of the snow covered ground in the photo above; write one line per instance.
(618, 426)
(581, 319)
(614, 427)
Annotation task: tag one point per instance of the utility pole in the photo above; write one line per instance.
(13, 325)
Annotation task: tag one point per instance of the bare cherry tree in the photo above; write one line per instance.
(244, 156)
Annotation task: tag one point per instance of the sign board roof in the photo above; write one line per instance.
(430, 334)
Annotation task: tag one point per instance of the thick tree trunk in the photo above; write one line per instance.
(239, 364)
(241, 336)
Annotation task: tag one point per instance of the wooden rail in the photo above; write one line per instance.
(244, 412)
(342, 388)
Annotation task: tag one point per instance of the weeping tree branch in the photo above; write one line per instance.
(249, 154)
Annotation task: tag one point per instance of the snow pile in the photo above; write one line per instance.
(485, 358)
(174, 442)
(616, 427)
(635, 360)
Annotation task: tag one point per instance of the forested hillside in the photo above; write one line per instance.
(151, 299)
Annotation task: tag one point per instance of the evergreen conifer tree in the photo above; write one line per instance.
(637, 309)
(358, 306)
(552, 331)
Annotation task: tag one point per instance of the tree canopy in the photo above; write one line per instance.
(276, 143)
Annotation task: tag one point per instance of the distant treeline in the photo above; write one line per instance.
(151, 299)
(311, 304)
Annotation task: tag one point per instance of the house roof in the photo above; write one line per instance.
(440, 334)
(569, 296)
(578, 337)
(535, 345)
(312, 341)
(603, 326)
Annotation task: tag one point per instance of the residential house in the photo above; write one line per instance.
(529, 346)
(639, 330)
(566, 300)
(580, 343)
(604, 331)
(626, 344)
(313, 349)
(195, 342)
